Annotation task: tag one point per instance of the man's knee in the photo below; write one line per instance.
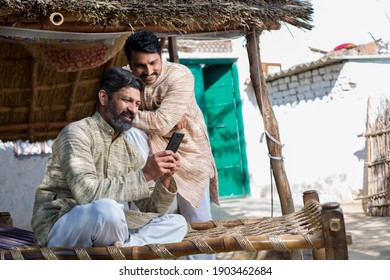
(181, 224)
(108, 211)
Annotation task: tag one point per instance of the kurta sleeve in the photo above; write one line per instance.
(75, 147)
(173, 95)
(160, 199)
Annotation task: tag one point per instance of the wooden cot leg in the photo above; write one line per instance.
(318, 254)
(333, 228)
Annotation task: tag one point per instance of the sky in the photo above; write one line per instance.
(335, 22)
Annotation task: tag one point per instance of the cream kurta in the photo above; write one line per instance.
(163, 105)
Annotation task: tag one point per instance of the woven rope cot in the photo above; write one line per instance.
(313, 227)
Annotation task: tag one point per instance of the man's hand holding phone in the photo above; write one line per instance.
(165, 163)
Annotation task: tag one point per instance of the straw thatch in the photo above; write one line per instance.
(167, 16)
(37, 101)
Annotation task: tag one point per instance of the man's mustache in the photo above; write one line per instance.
(146, 75)
(130, 114)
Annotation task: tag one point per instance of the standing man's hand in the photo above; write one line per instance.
(182, 123)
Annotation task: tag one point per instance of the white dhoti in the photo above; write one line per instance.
(102, 223)
(139, 139)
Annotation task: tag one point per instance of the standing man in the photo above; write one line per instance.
(167, 105)
(94, 170)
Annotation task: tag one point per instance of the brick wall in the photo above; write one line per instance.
(309, 85)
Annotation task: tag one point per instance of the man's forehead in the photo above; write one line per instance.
(129, 92)
(144, 57)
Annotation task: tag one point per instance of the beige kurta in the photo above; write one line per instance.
(163, 105)
(86, 165)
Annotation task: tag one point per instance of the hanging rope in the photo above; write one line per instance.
(266, 133)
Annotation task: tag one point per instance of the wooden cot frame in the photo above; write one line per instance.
(326, 238)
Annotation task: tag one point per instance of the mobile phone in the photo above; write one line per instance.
(175, 141)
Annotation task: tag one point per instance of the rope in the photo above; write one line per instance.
(281, 158)
(115, 253)
(203, 246)
(271, 138)
(161, 251)
(82, 254)
(277, 243)
(17, 255)
(218, 223)
(309, 241)
(305, 221)
(48, 253)
(245, 244)
(245, 221)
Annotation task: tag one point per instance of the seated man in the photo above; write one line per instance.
(93, 171)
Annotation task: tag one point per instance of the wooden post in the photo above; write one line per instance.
(307, 197)
(270, 122)
(333, 228)
(6, 219)
(172, 47)
(310, 195)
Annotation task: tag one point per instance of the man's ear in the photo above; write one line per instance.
(103, 98)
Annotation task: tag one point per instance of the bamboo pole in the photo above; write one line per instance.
(270, 122)
(218, 245)
(172, 47)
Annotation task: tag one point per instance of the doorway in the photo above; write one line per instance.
(218, 96)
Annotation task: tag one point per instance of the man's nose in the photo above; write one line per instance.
(133, 108)
(149, 70)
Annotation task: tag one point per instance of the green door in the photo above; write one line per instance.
(217, 94)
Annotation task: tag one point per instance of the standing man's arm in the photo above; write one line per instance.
(173, 107)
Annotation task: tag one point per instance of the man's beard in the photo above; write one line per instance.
(116, 119)
(120, 124)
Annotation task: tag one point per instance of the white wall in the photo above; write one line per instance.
(19, 177)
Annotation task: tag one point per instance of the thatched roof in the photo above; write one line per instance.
(163, 16)
(40, 91)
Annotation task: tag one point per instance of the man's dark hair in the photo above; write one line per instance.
(117, 78)
(142, 41)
